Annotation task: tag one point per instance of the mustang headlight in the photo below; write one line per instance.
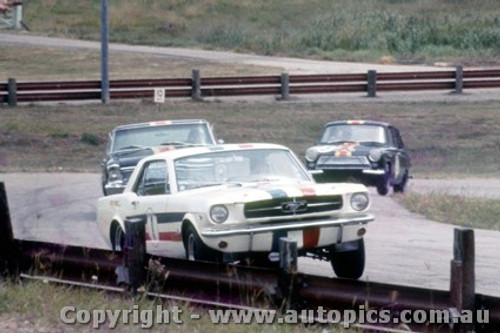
(359, 201)
(375, 155)
(312, 154)
(219, 213)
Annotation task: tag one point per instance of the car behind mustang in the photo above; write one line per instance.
(234, 202)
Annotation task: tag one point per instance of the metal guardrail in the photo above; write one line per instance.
(281, 86)
(220, 285)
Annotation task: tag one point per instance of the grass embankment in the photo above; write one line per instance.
(401, 31)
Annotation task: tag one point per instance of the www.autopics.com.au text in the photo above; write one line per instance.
(147, 318)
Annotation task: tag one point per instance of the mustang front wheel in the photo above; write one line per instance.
(195, 249)
(349, 264)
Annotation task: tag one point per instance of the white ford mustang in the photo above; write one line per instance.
(234, 202)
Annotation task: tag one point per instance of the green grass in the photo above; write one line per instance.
(480, 213)
(408, 31)
(53, 64)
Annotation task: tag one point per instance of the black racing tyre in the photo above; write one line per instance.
(195, 249)
(400, 188)
(349, 264)
(384, 183)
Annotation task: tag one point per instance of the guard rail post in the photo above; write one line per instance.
(12, 92)
(372, 83)
(285, 86)
(288, 272)
(459, 79)
(17, 15)
(8, 249)
(462, 282)
(135, 252)
(196, 86)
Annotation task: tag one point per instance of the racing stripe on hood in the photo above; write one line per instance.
(308, 191)
(346, 149)
(276, 194)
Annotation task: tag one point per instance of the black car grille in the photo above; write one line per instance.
(292, 206)
(343, 161)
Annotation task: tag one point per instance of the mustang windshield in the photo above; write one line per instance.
(353, 133)
(237, 166)
(151, 136)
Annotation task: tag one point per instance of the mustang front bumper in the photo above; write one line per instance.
(264, 237)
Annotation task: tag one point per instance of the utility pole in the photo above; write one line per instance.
(104, 52)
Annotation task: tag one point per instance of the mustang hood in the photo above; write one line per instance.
(243, 193)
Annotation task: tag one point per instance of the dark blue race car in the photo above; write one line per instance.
(369, 152)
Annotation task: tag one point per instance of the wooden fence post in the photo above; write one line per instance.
(196, 85)
(8, 248)
(285, 86)
(12, 92)
(372, 83)
(135, 252)
(462, 282)
(459, 79)
(288, 272)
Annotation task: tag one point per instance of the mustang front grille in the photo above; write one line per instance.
(292, 206)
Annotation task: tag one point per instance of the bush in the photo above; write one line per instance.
(90, 139)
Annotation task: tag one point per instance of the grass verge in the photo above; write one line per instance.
(478, 213)
(416, 31)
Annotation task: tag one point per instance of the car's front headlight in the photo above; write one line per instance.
(375, 155)
(219, 213)
(312, 154)
(114, 174)
(360, 201)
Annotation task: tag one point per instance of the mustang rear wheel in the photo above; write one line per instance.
(349, 264)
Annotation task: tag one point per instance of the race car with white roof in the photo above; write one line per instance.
(234, 202)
